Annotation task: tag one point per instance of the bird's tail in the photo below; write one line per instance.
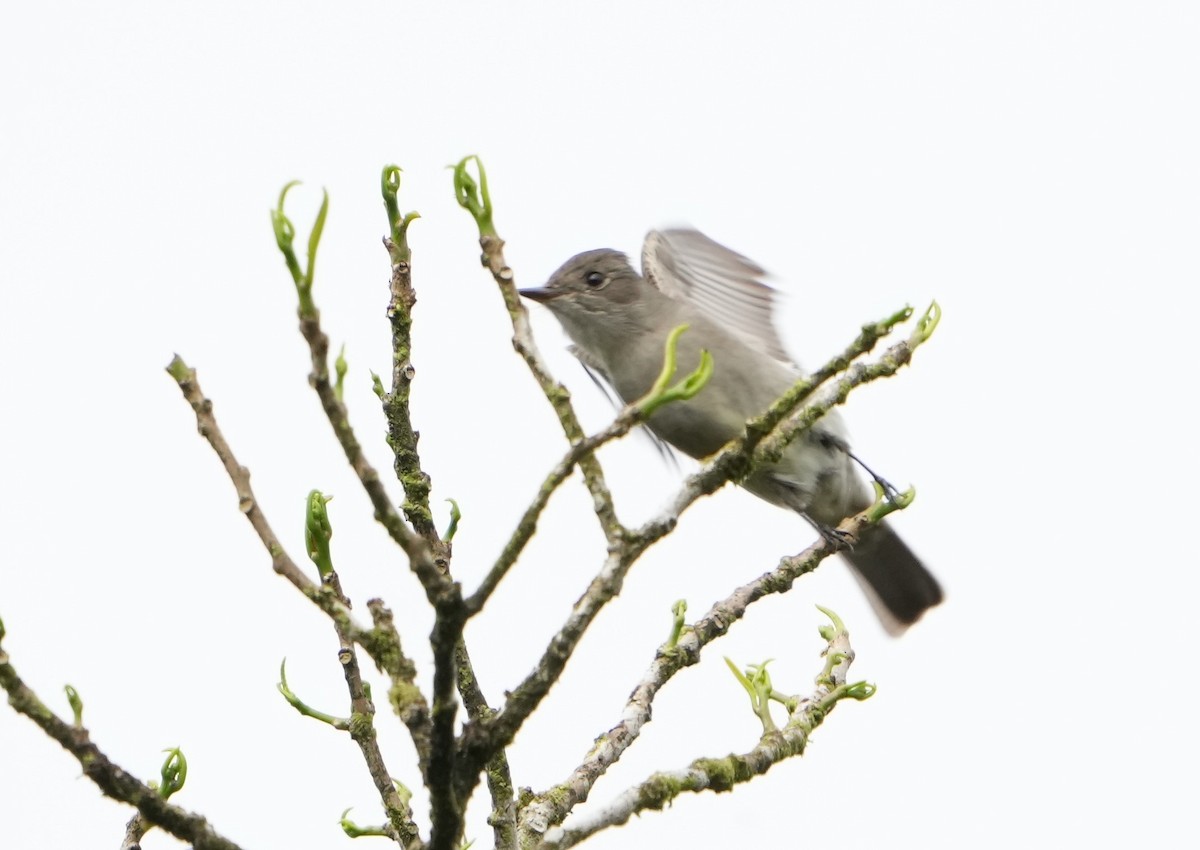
(896, 582)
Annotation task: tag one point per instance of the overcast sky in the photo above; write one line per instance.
(1033, 166)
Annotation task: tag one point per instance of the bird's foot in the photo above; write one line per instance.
(836, 537)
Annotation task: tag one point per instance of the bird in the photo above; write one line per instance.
(618, 321)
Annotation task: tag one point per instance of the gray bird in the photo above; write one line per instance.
(619, 321)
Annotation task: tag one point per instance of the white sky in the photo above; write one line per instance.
(1033, 166)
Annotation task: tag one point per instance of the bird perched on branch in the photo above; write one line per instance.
(619, 320)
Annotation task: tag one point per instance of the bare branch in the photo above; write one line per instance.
(108, 776)
(361, 724)
(663, 392)
(421, 559)
(362, 730)
(428, 556)
(716, 774)
(281, 562)
(552, 806)
(434, 581)
(474, 198)
(381, 642)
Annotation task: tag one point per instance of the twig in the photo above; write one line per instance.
(436, 584)
(527, 525)
(362, 730)
(318, 535)
(451, 661)
(401, 436)
(433, 579)
(767, 436)
(427, 556)
(663, 392)
(552, 806)
(447, 805)
(480, 741)
(381, 642)
(281, 562)
(474, 198)
(716, 774)
(109, 777)
(407, 700)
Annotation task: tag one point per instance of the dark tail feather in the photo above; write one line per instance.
(898, 585)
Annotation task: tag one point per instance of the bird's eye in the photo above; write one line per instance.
(594, 278)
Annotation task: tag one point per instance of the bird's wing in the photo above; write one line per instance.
(596, 372)
(725, 286)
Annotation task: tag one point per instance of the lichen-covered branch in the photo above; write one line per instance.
(406, 699)
(362, 730)
(420, 557)
(768, 435)
(715, 774)
(402, 438)
(428, 555)
(503, 818)
(447, 803)
(552, 806)
(362, 708)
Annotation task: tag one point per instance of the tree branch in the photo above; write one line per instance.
(407, 700)
(766, 436)
(239, 475)
(108, 776)
(663, 392)
(717, 774)
(474, 198)
(361, 724)
(436, 584)
(503, 818)
(362, 730)
(552, 806)
(381, 643)
(401, 436)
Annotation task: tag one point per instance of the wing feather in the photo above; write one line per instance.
(727, 287)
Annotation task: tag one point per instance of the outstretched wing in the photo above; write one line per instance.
(727, 287)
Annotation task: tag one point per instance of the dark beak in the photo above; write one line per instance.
(539, 293)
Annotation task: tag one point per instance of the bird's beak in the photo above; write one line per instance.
(539, 293)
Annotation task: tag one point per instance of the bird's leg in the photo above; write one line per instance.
(835, 443)
(889, 492)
